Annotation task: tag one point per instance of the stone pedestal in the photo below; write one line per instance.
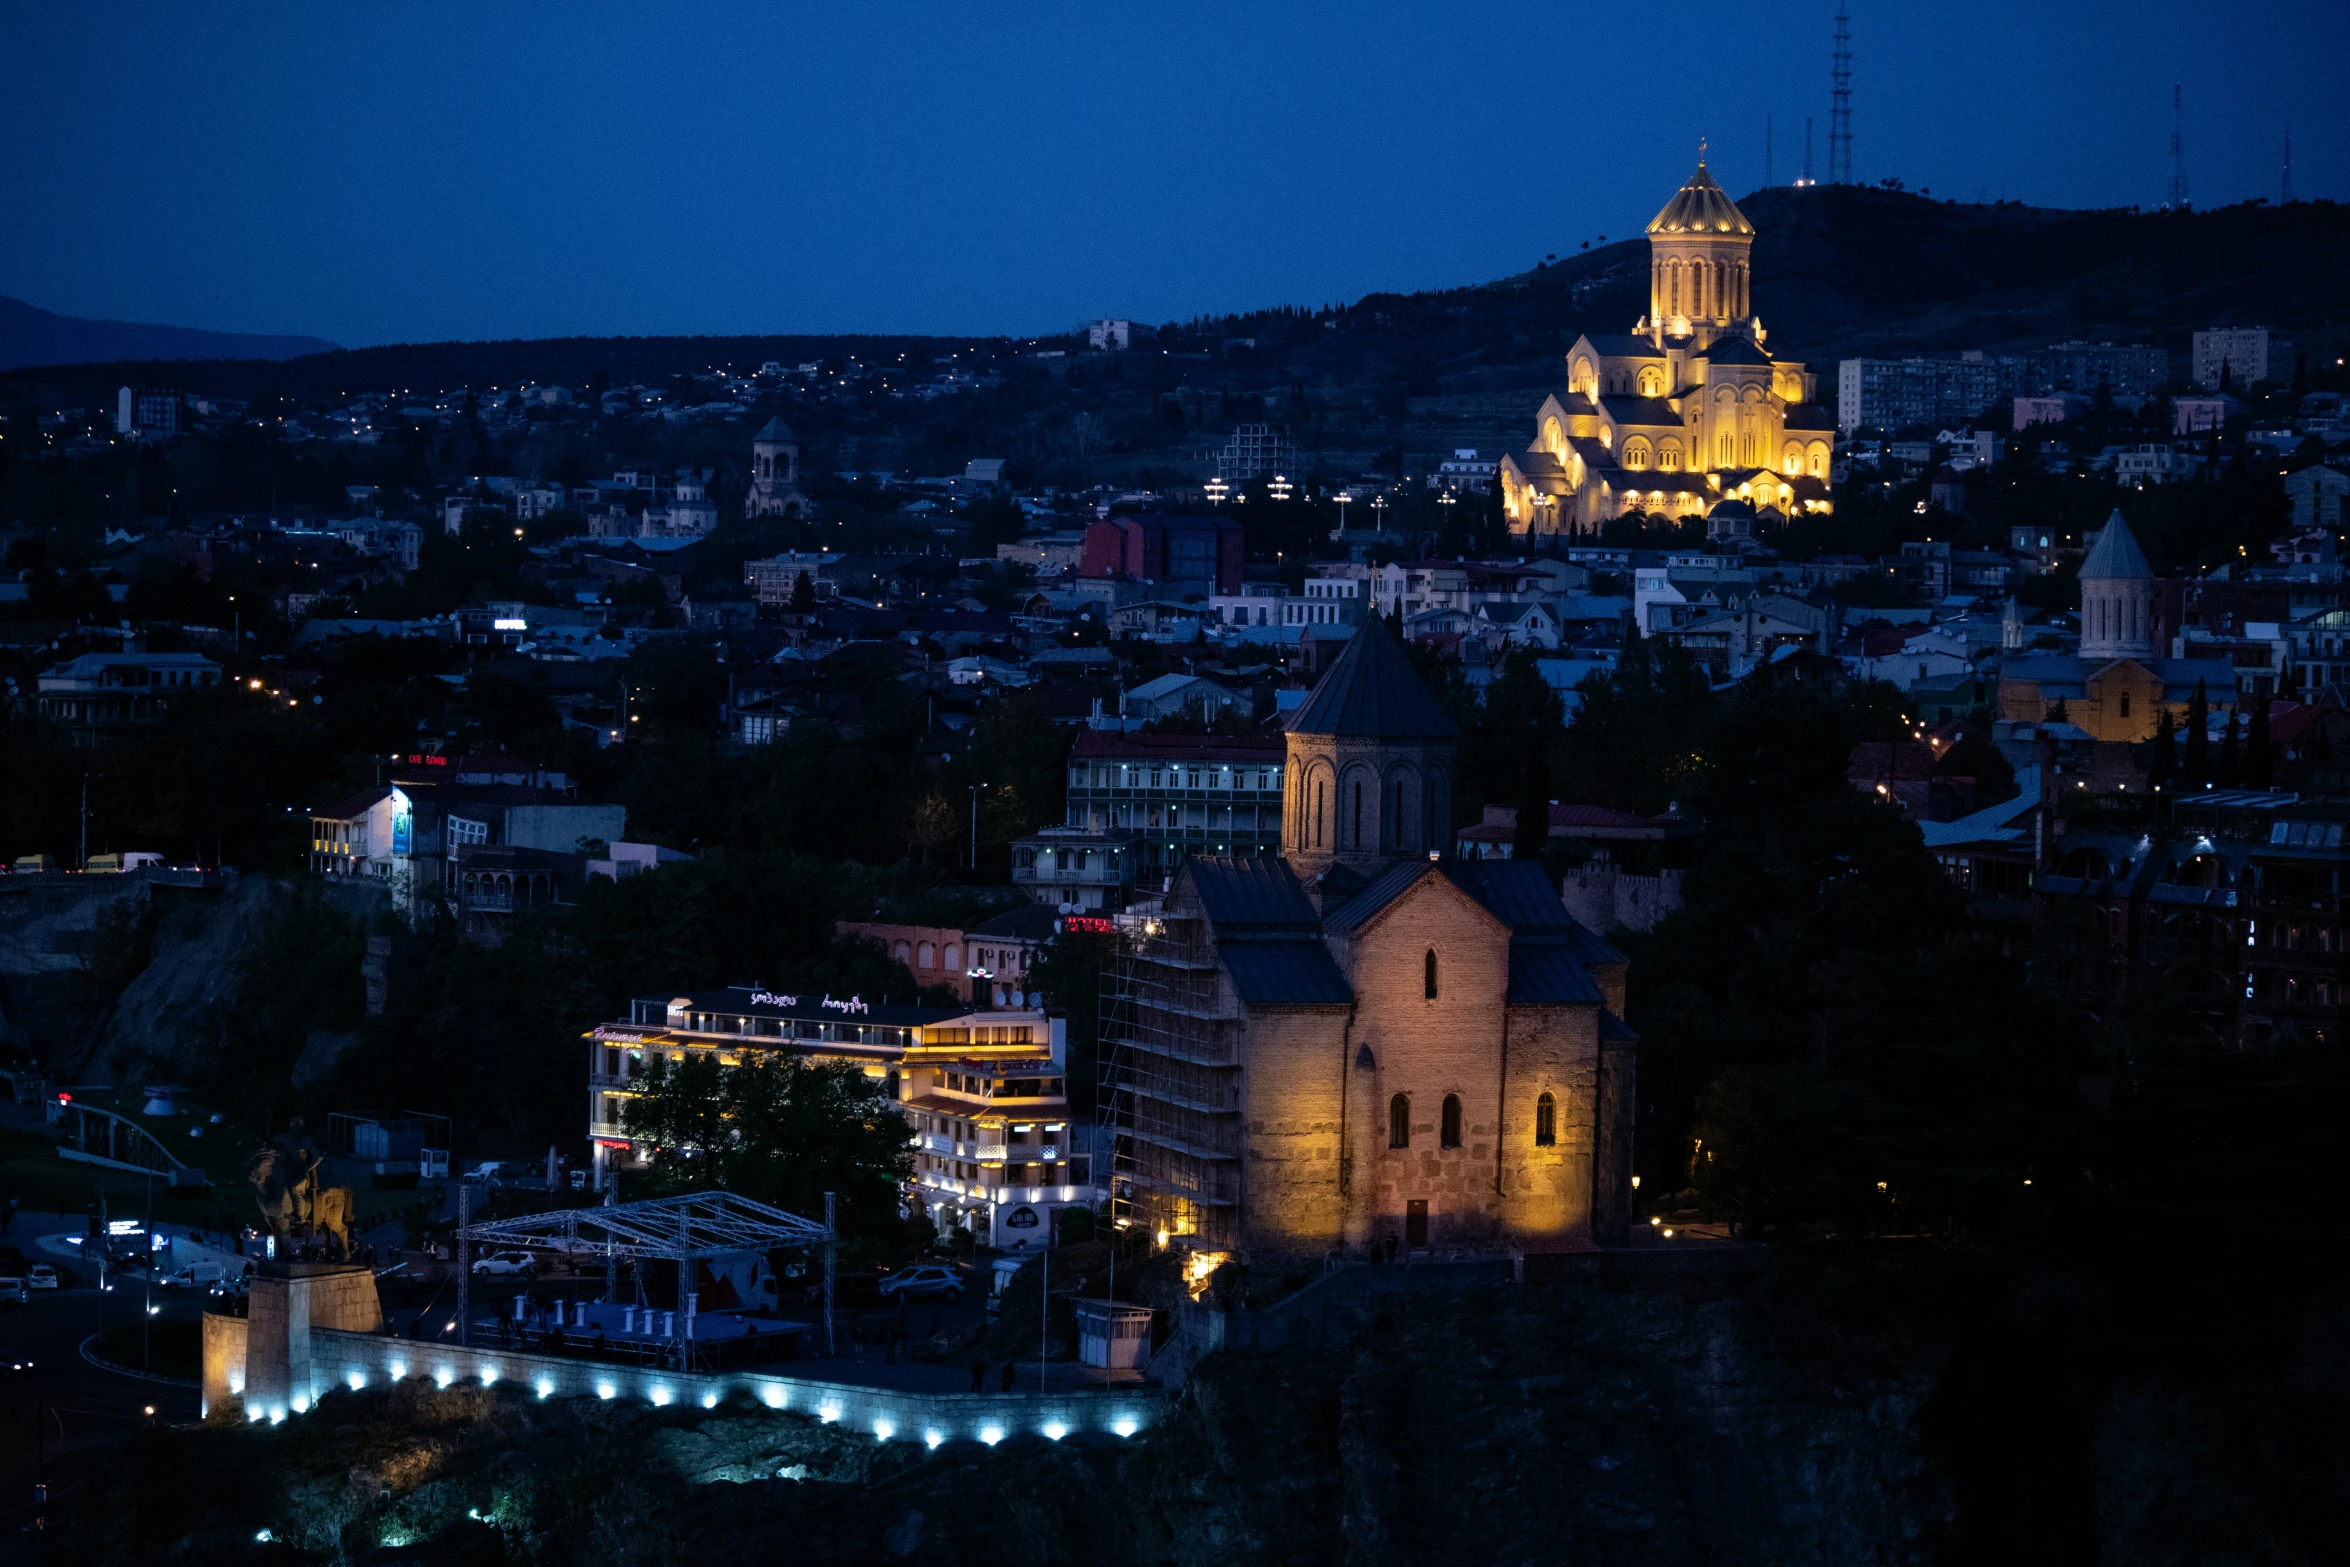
(288, 1299)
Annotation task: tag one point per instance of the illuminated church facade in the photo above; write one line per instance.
(1686, 411)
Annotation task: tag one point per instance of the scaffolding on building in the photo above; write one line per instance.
(1255, 451)
(1170, 1068)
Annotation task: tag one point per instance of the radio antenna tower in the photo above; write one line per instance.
(2285, 197)
(1807, 179)
(2178, 151)
(1840, 110)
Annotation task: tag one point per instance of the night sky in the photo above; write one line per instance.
(413, 172)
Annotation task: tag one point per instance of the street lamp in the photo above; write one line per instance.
(1218, 490)
(1345, 498)
(1379, 513)
(1281, 487)
(975, 788)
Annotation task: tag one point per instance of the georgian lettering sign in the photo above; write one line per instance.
(769, 998)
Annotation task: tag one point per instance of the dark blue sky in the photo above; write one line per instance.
(419, 171)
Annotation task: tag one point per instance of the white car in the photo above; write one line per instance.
(195, 1275)
(507, 1264)
(40, 1276)
(926, 1282)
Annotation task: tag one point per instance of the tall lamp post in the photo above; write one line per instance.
(975, 788)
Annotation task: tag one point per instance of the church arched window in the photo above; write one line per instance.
(1428, 975)
(1636, 453)
(1399, 1121)
(1791, 461)
(1546, 1122)
(1819, 459)
(1449, 1123)
(1668, 456)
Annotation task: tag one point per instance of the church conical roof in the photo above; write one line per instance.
(2117, 555)
(1701, 207)
(775, 430)
(1372, 691)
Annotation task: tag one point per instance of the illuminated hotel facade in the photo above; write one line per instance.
(984, 1093)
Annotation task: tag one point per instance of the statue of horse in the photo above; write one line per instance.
(286, 1190)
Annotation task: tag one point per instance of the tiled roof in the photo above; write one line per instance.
(1627, 409)
(1024, 921)
(356, 806)
(1259, 893)
(775, 430)
(1284, 970)
(1373, 691)
(1549, 973)
(1735, 351)
(2117, 554)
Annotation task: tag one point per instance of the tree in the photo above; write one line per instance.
(932, 826)
(780, 1130)
(2163, 764)
(803, 594)
(2198, 768)
(2230, 773)
(2260, 762)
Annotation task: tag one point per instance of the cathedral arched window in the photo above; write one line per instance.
(1697, 276)
(1449, 1124)
(1819, 460)
(1668, 456)
(1428, 975)
(1652, 382)
(1546, 1122)
(1636, 453)
(1791, 461)
(1399, 1121)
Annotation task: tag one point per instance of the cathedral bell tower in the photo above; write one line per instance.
(1699, 265)
(1368, 776)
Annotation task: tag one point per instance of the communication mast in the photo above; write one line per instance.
(2285, 196)
(1807, 180)
(1840, 110)
(2178, 151)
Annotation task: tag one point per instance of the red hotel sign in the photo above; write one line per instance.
(1088, 925)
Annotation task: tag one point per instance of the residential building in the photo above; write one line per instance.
(2198, 415)
(933, 954)
(2125, 370)
(146, 413)
(1178, 552)
(408, 834)
(1465, 472)
(1328, 598)
(2246, 355)
(1256, 604)
(2156, 462)
(107, 696)
(1690, 394)
(1255, 451)
(2316, 494)
(985, 1094)
(1364, 1046)
(775, 578)
(1629, 868)
(2054, 408)
(1076, 868)
(1894, 394)
(1182, 696)
(1178, 794)
(1004, 951)
(1108, 333)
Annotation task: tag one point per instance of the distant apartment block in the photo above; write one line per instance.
(2247, 354)
(146, 413)
(1256, 451)
(2123, 369)
(1892, 394)
(1108, 333)
(1465, 470)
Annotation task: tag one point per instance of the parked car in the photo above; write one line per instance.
(927, 1281)
(196, 1275)
(492, 1170)
(13, 1292)
(41, 1276)
(507, 1264)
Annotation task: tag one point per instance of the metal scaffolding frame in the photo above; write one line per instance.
(1168, 1040)
(691, 1227)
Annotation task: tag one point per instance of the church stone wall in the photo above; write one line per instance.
(1427, 1050)
(1292, 1087)
(1546, 1191)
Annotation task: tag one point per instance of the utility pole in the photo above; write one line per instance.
(464, 1272)
(2285, 194)
(1807, 177)
(1044, 1310)
(830, 1245)
(147, 1290)
(83, 863)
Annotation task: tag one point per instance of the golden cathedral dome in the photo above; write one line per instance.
(1701, 207)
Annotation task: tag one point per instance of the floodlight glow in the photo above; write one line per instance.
(255, 1415)
(828, 1412)
(710, 1400)
(991, 1434)
(660, 1397)
(489, 1374)
(777, 1397)
(1124, 1425)
(932, 1437)
(883, 1430)
(399, 1369)
(357, 1380)
(546, 1388)
(301, 1403)
(1054, 1430)
(606, 1390)
(277, 1416)
(443, 1377)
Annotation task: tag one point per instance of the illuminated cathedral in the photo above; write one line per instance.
(1689, 409)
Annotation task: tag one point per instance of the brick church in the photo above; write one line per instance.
(1364, 1041)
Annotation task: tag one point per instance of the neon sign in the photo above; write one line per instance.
(1088, 925)
(853, 1004)
(768, 998)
